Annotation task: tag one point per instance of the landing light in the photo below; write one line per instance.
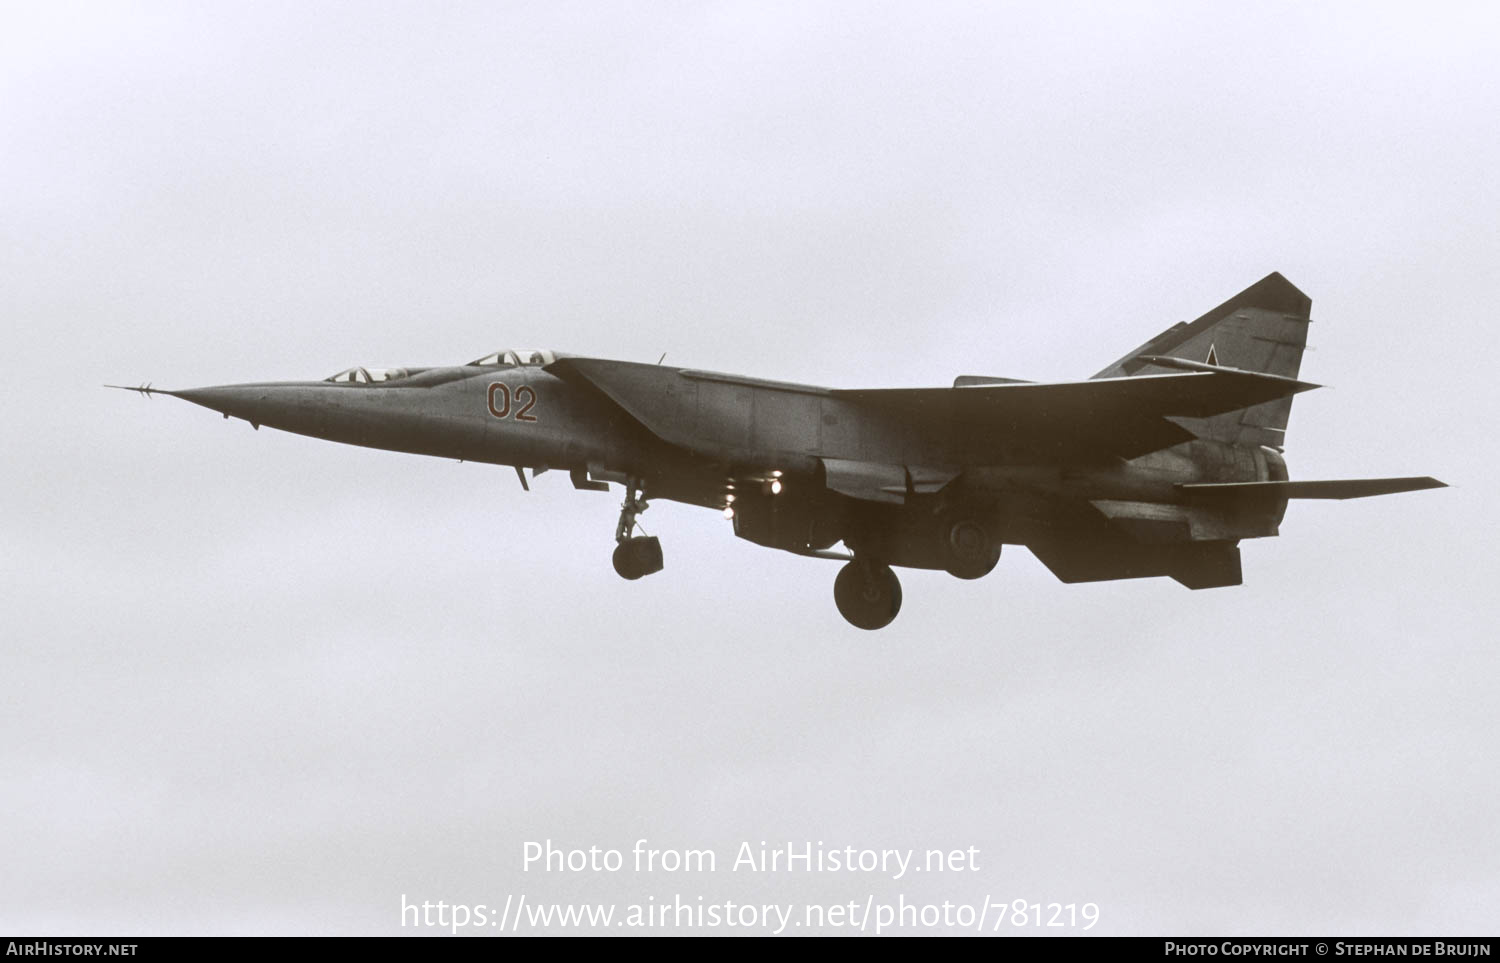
(729, 512)
(776, 486)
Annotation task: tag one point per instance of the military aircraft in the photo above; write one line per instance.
(1159, 465)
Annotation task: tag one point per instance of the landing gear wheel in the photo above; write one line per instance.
(868, 594)
(970, 554)
(636, 557)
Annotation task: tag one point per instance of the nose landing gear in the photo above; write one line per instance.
(635, 556)
(867, 593)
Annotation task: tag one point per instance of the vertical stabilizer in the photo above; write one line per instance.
(1263, 328)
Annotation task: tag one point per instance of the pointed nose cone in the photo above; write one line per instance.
(308, 408)
(292, 406)
(239, 401)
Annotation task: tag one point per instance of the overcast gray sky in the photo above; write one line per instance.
(258, 683)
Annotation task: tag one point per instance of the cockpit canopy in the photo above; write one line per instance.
(366, 376)
(533, 358)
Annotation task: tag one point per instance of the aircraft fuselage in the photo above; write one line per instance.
(1159, 465)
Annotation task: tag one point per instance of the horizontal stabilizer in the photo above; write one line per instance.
(1340, 489)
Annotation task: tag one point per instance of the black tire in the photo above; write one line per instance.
(868, 596)
(970, 554)
(624, 561)
(636, 557)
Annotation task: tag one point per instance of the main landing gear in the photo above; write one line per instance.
(970, 551)
(867, 593)
(635, 555)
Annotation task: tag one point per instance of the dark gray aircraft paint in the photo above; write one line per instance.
(1159, 465)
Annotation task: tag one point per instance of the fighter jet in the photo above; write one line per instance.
(1159, 465)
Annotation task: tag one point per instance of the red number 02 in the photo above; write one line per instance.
(525, 397)
(525, 392)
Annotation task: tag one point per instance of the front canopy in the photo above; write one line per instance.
(366, 376)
